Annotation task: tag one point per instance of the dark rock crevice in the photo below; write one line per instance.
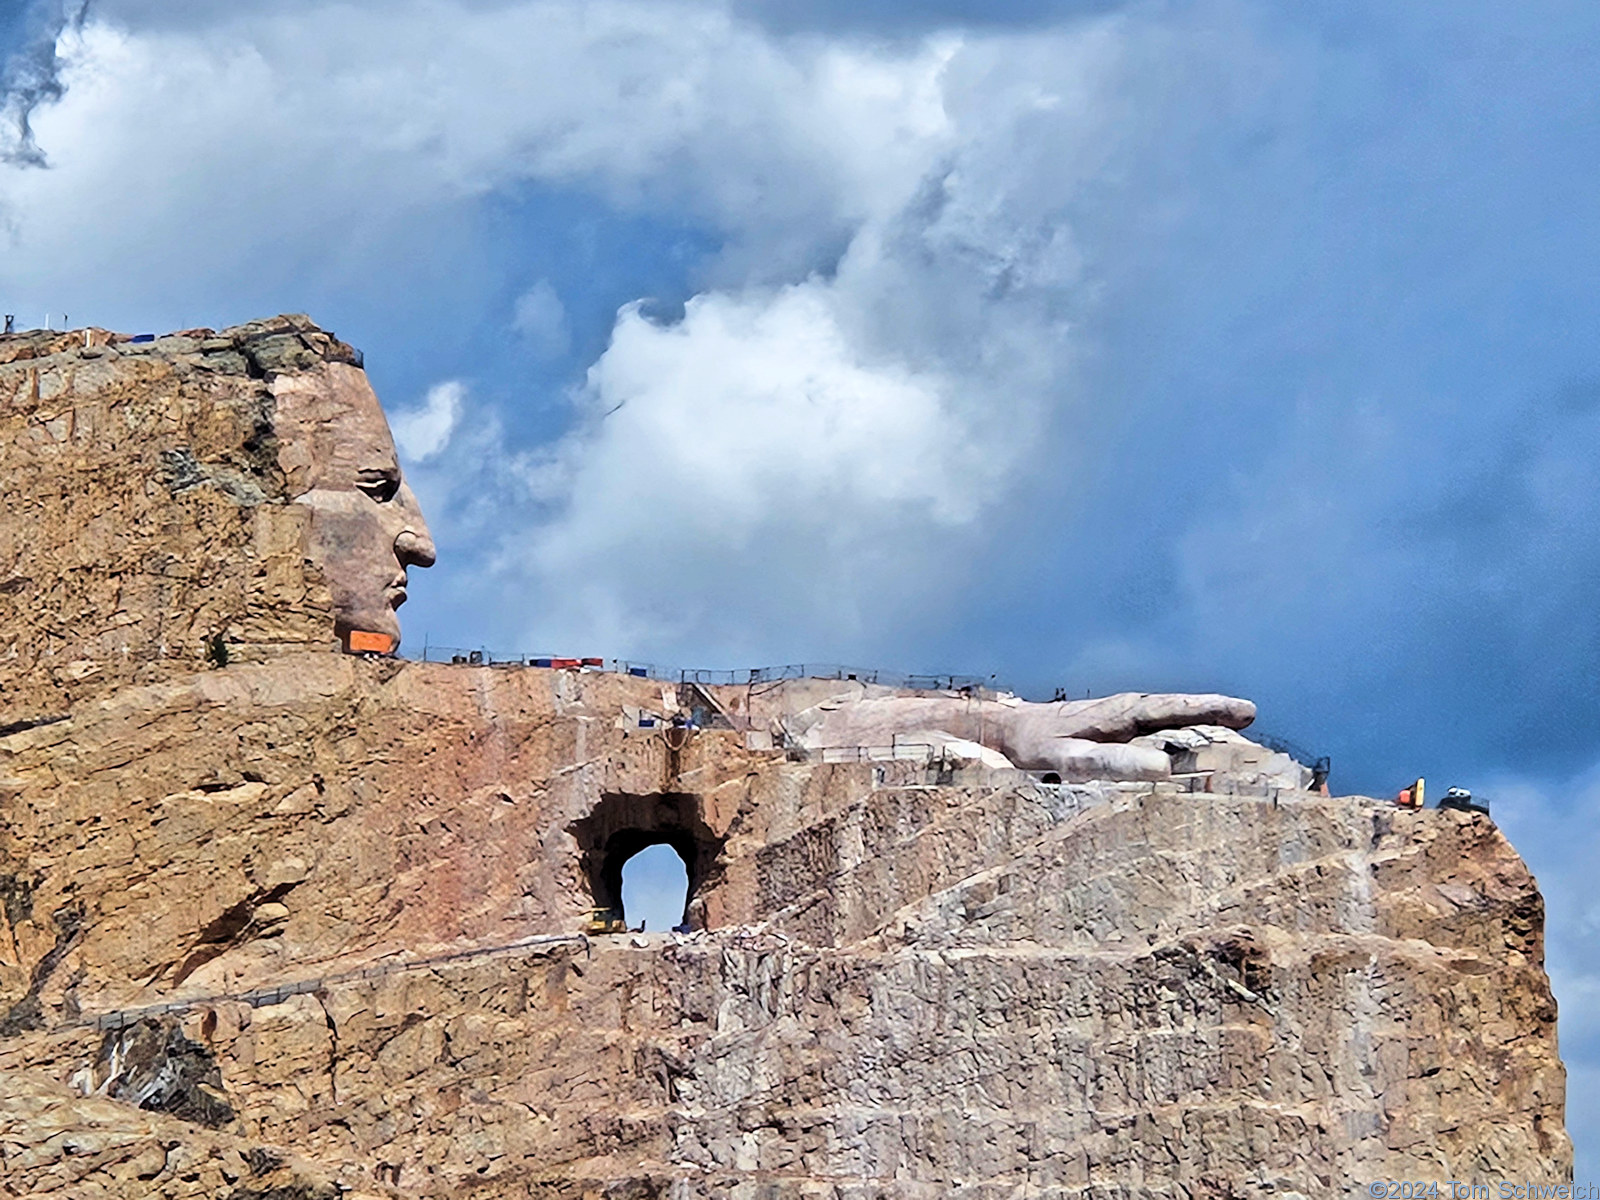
(153, 1066)
(234, 926)
(28, 1012)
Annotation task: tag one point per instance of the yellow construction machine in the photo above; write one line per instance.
(605, 920)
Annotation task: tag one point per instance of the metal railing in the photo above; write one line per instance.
(484, 657)
(920, 752)
(278, 993)
(1320, 764)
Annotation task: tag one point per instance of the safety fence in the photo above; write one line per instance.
(948, 764)
(919, 752)
(483, 657)
(278, 993)
(1320, 764)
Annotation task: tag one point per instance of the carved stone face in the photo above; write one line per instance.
(366, 528)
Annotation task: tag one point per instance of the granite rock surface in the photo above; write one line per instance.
(286, 922)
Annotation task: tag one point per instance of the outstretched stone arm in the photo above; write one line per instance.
(1080, 739)
(1123, 717)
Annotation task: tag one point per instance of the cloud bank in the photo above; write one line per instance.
(30, 71)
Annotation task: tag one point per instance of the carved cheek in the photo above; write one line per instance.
(351, 543)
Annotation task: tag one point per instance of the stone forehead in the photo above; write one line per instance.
(324, 415)
(329, 426)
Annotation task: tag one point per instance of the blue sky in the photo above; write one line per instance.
(1226, 345)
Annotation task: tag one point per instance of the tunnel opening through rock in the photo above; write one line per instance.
(622, 825)
(655, 889)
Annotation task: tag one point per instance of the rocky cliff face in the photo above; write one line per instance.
(147, 526)
(303, 924)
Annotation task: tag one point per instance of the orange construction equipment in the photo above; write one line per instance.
(1413, 796)
(360, 641)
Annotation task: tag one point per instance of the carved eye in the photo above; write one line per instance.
(380, 485)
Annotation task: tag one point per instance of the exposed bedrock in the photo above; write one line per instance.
(985, 988)
(279, 922)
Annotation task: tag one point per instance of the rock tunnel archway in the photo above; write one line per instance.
(655, 889)
(623, 824)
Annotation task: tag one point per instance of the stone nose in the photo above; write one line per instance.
(415, 549)
(413, 545)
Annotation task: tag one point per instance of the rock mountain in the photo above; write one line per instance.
(283, 922)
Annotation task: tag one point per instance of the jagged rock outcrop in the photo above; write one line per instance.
(303, 923)
(148, 525)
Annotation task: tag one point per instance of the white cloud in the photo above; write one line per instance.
(541, 318)
(236, 141)
(421, 433)
(755, 428)
(788, 467)
(805, 462)
(763, 401)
